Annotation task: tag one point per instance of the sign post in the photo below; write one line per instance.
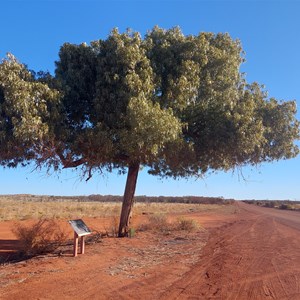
(80, 231)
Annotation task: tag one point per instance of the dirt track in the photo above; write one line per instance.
(255, 257)
(252, 254)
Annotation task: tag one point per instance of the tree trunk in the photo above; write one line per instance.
(133, 170)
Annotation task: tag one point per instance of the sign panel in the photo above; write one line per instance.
(80, 227)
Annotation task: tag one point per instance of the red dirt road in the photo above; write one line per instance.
(252, 254)
(255, 257)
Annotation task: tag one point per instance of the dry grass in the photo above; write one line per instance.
(15, 208)
(114, 217)
(186, 224)
(158, 223)
(179, 208)
(162, 224)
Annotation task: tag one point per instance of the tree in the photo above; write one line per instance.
(175, 104)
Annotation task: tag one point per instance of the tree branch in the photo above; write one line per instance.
(90, 175)
(68, 163)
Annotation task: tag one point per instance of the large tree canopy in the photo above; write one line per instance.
(176, 104)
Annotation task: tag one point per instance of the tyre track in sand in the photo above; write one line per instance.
(255, 257)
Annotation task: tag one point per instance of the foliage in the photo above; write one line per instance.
(43, 236)
(177, 104)
(26, 113)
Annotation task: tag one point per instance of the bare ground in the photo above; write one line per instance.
(253, 253)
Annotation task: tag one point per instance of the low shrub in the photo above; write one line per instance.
(186, 224)
(269, 204)
(160, 223)
(43, 236)
(156, 222)
(285, 206)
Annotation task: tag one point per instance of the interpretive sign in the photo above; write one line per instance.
(80, 230)
(80, 227)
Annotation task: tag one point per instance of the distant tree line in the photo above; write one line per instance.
(281, 204)
(114, 198)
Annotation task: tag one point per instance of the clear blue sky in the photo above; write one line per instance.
(269, 31)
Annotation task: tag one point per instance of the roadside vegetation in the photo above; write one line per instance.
(280, 204)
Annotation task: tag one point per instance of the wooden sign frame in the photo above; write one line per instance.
(80, 230)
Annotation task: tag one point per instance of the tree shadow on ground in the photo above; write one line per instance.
(10, 251)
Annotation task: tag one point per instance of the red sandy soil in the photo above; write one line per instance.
(253, 253)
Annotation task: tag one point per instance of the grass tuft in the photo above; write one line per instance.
(186, 224)
(160, 223)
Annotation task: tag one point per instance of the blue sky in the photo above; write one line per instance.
(269, 31)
